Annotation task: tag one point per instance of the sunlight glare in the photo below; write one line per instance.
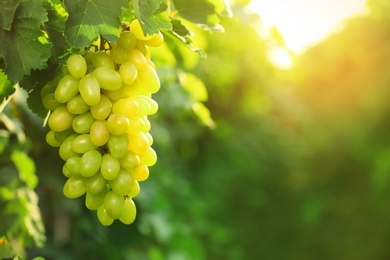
(280, 58)
(305, 22)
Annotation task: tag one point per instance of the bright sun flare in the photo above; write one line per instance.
(303, 22)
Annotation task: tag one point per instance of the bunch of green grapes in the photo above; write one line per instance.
(99, 120)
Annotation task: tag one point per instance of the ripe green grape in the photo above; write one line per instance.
(117, 145)
(76, 105)
(129, 161)
(118, 55)
(90, 163)
(89, 88)
(138, 143)
(129, 212)
(75, 187)
(103, 217)
(96, 183)
(122, 184)
(140, 173)
(149, 158)
(127, 40)
(50, 139)
(82, 123)
(110, 167)
(153, 106)
(102, 59)
(134, 190)
(128, 72)
(66, 151)
(149, 79)
(136, 57)
(126, 106)
(61, 119)
(76, 65)
(113, 95)
(73, 165)
(114, 203)
(102, 110)
(95, 200)
(99, 133)
(108, 78)
(67, 88)
(82, 144)
(117, 124)
(136, 125)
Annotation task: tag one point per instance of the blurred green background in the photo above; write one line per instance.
(294, 164)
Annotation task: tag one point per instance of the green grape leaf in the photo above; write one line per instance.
(182, 35)
(55, 27)
(7, 12)
(200, 12)
(153, 15)
(24, 47)
(6, 88)
(90, 18)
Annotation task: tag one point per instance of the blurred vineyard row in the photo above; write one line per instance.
(294, 164)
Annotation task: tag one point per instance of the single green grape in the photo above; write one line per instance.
(103, 217)
(117, 124)
(110, 167)
(148, 158)
(108, 78)
(95, 200)
(129, 212)
(128, 72)
(136, 57)
(76, 105)
(65, 150)
(136, 125)
(114, 203)
(73, 165)
(102, 110)
(134, 190)
(127, 40)
(129, 161)
(82, 123)
(82, 144)
(118, 55)
(99, 133)
(90, 163)
(76, 65)
(96, 183)
(117, 145)
(125, 106)
(149, 80)
(67, 88)
(89, 88)
(138, 143)
(102, 59)
(50, 139)
(61, 119)
(122, 184)
(75, 187)
(140, 173)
